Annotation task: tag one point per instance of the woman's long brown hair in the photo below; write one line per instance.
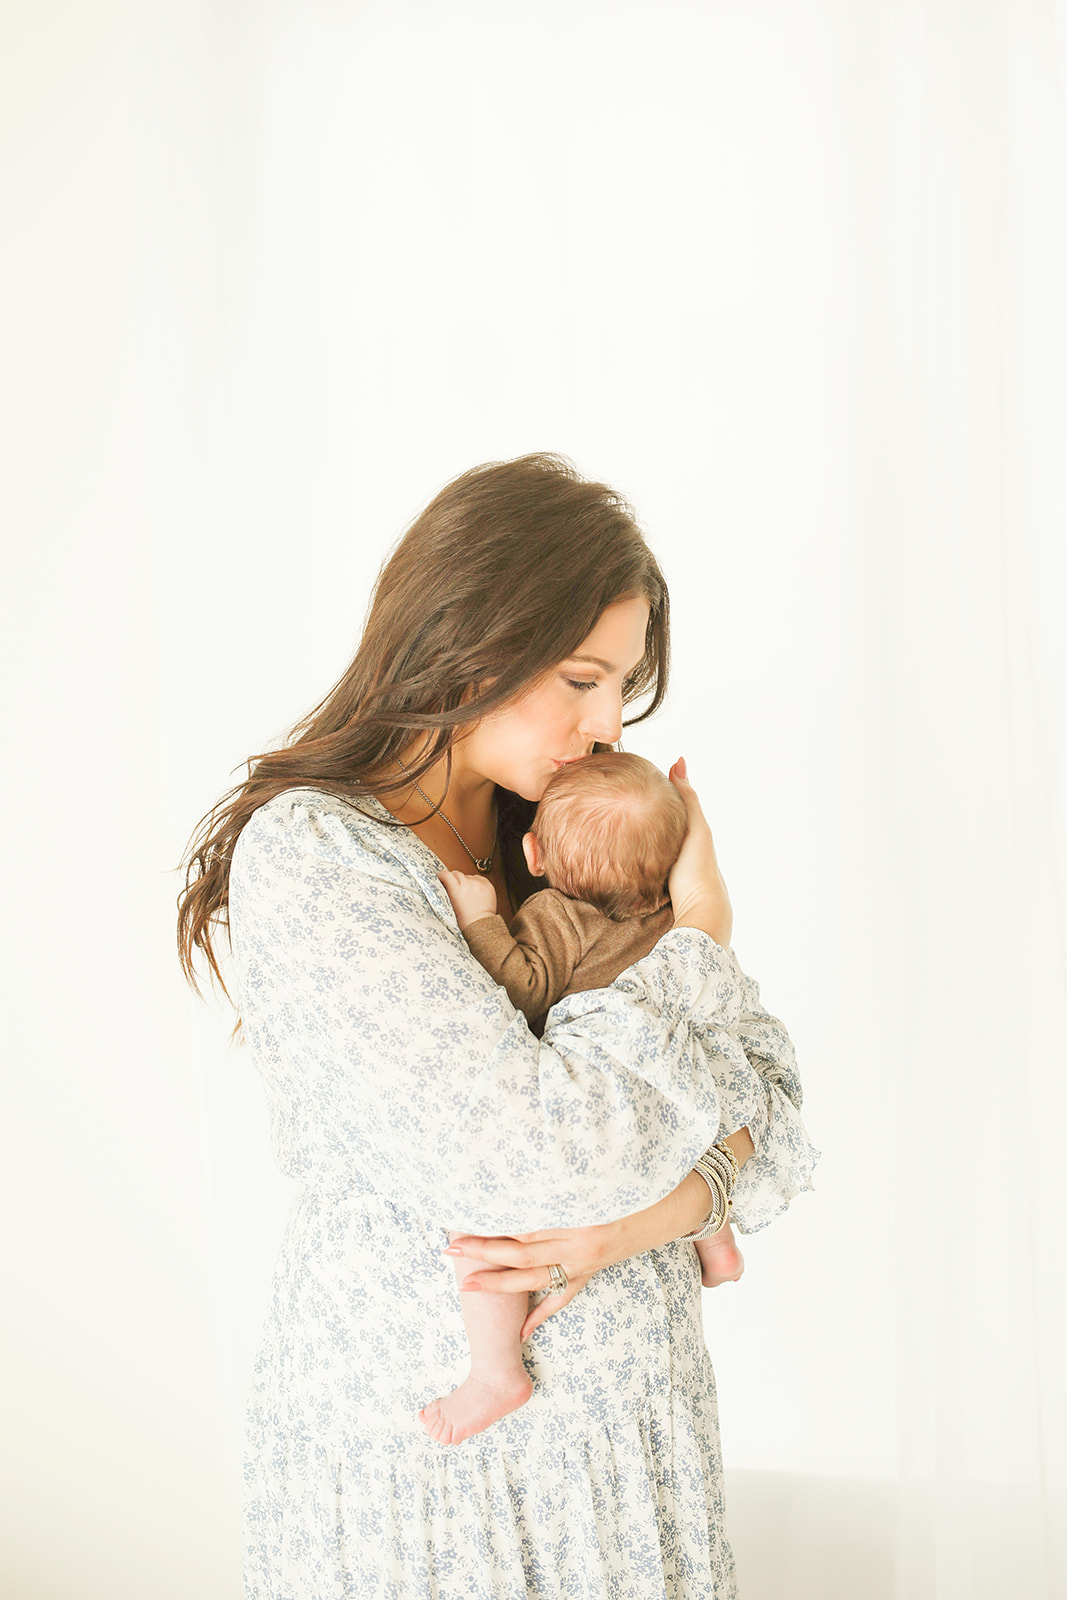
(500, 578)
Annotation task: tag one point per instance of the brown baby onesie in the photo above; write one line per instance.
(556, 946)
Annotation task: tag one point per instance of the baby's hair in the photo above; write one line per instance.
(610, 827)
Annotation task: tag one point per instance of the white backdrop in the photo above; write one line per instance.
(790, 275)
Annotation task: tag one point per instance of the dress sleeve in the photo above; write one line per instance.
(535, 957)
(395, 1065)
(752, 1058)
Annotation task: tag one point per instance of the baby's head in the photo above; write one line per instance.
(608, 830)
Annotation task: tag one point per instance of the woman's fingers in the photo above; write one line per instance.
(696, 886)
(507, 1280)
(502, 1252)
(521, 1267)
(679, 776)
(548, 1307)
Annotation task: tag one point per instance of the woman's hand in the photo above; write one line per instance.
(698, 892)
(520, 1264)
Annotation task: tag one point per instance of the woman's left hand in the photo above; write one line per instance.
(521, 1263)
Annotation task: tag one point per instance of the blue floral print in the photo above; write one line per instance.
(408, 1097)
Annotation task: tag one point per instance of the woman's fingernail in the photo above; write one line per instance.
(453, 1250)
(469, 1288)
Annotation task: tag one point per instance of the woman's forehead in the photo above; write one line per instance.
(617, 641)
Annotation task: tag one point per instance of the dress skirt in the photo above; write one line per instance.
(607, 1485)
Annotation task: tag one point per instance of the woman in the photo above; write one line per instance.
(518, 615)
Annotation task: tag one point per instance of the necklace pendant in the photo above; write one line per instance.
(486, 863)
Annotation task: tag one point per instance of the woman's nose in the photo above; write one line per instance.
(604, 722)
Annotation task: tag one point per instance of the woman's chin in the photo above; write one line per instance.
(528, 788)
(527, 785)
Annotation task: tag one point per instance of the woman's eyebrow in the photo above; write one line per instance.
(598, 661)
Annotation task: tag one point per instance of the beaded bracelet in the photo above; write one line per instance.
(719, 1168)
(724, 1150)
(721, 1164)
(716, 1217)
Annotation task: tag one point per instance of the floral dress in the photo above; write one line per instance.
(408, 1097)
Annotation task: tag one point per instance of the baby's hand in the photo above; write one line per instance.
(472, 897)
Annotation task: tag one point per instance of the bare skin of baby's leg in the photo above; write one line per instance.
(720, 1259)
(497, 1382)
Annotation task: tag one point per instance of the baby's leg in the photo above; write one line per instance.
(720, 1259)
(498, 1382)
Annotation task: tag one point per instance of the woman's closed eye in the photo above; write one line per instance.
(581, 684)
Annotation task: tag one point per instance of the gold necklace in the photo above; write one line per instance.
(485, 863)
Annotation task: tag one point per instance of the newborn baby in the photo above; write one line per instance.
(606, 834)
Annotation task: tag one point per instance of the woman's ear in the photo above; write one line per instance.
(532, 851)
(474, 689)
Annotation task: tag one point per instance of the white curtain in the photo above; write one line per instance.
(973, 618)
(791, 275)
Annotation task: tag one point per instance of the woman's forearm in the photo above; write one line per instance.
(584, 1251)
(679, 1212)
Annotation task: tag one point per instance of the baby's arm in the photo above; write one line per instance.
(535, 958)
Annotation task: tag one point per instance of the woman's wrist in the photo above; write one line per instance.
(741, 1145)
(678, 1212)
(708, 916)
(695, 1204)
(719, 1168)
(683, 1210)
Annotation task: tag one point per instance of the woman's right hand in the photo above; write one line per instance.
(698, 892)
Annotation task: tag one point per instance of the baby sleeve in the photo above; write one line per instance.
(535, 957)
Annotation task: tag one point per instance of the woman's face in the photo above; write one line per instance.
(576, 705)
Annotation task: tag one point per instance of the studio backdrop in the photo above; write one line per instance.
(790, 276)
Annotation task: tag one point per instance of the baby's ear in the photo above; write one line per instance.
(532, 851)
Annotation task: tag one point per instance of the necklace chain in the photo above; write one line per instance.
(485, 863)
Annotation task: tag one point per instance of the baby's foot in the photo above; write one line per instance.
(475, 1404)
(720, 1262)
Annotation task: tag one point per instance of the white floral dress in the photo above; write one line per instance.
(408, 1097)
